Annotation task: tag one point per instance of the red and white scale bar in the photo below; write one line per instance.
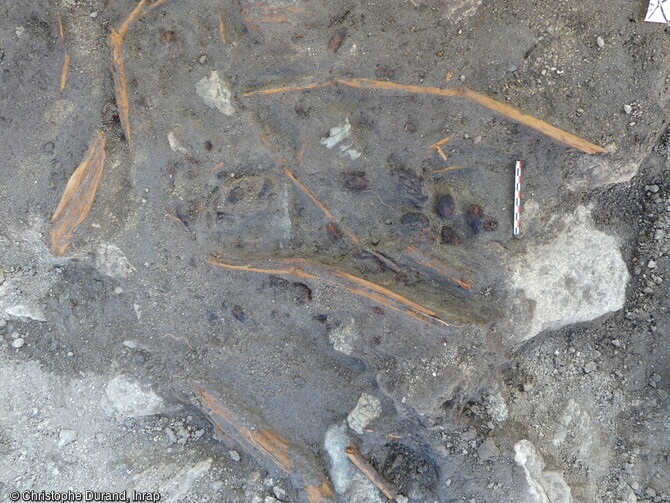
(517, 199)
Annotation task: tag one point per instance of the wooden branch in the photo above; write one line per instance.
(369, 471)
(532, 122)
(449, 168)
(63, 73)
(120, 83)
(59, 28)
(222, 30)
(438, 266)
(461, 91)
(307, 192)
(78, 197)
(116, 39)
(303, 268)
(268, 447)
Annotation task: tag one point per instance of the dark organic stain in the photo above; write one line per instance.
(475, 218)
(336, 40)
(410, 188)
(238, 313)
(450, 236)
(413, 222)
(168, 37)
(490, 225)
(334, 231)
(236, 195)
(445, 206)
(355, 181)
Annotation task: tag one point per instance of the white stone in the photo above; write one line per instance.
(574, 277)
(18, 343)
(544, 486)
(347, 480)
(366, 411)
(344, 338)
(24, 311)
(127, 397)
(175, 144)
(66, 437)
(110, 260)
(215, 93)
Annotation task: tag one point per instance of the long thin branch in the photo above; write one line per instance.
(369, 471)
(461, 91)
(303, 268)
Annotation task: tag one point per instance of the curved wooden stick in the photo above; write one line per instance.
(303, 268)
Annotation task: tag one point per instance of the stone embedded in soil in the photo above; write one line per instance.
(577, 276)
(367, 410)
(127, 397)
(25, 311)
(347, 480)
(66, 437)
(544, 486)
(215, 93)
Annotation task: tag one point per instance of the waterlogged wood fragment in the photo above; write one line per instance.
(77, 198)
(63, 73)
(307, 192)
(461, 91)
(438, 267)
(59, 27)
(267, 446)
(222, 30)
(336, 40)
(116, 38)
(120, 83)
(368, 470)
(303, 268)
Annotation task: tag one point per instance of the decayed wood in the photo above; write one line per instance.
(307, 192)
(532, 122)
(63, 73)
(461, 91)
(59, 27)
(448, 168)
(268, 447)
(120, 83)
(303, 268)
(438, 266)
(78, 197)
(116, 39)
(368, 470)
(222, 30)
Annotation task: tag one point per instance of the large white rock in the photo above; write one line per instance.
(348, 481)
(576, 276)
(544, 486)
(127, 397)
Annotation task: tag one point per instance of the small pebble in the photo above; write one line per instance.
(600, 42)
(590, 367)
(651, 264)
(628, 109)
(66, 437)
(3, 323)
(202, 59)
(18, 343)
(94, 14)
(653, 188)
(234, 455)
